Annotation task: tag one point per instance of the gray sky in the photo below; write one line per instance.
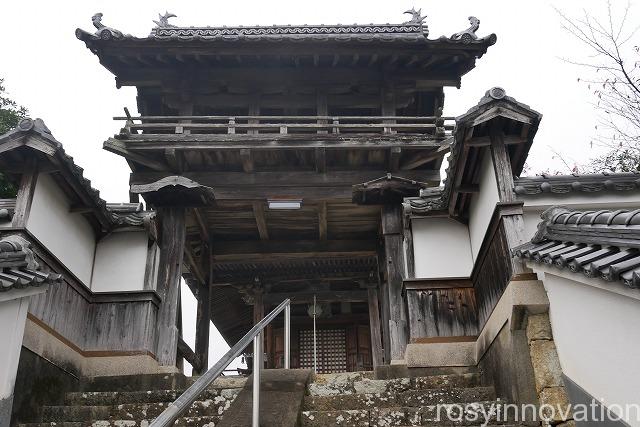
(52, 73)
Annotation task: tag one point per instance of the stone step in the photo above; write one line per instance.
(135, 382)
(107, 398)
(131, 411)
(432, 415)
(355, 382)
(409, 398)
(208, 421)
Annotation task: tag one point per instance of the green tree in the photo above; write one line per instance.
(10, 114)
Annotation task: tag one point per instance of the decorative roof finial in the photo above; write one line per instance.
(416, 16)
(163, 20)
(104, 32)
(468, 35)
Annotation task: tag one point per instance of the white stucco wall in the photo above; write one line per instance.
(13, 315)
(597, 336)
(441, 248)
(67, 235)
(483, 203)
(120, 262)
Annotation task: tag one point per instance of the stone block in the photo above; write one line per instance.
(546, 365)
(539, 327)
(555, 405)
(350, 418)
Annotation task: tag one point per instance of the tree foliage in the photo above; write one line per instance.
(612, 75)
(10, 114)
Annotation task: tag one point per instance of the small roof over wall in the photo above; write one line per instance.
(599, 244)
(577, 183)
(32, 141)
(518, 124)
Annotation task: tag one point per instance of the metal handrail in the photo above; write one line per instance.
(182, 403)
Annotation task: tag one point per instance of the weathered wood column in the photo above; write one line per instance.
(173, 230)
(203, 318)
(393, 267)
(374, 325)
(25, 194)
(513, 224)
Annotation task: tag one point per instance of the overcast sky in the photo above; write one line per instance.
(52, 73)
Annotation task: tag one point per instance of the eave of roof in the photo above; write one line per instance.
(110, 216)
(18, 267)
(599, 244)
(578, 183)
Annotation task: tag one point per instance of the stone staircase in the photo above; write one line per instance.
(139, 403)
(358, 400)
(353, 399)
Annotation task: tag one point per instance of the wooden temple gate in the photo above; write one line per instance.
(279, 164)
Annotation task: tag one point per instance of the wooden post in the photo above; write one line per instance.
(25, 193)
(513, 224)
(173, 230)
(394, 265)
(322, 108)
(374, 324)
(388, 105)
(203, 322)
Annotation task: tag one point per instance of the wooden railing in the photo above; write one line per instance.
(438, 127)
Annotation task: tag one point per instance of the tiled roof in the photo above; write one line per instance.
(110, 215)
(601, 244)
(413, 31)
(19, 268)
(586, 183)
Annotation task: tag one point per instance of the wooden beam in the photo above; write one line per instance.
(274, 249)
(117, 147)
(423, 157)
(468, 189)
(322, 220)
(261, 221)
(26, 189)
(374, 325)
(189, 355)
(247, 160)
(170, 271)
(194, 268)
(430, 284)
(321, 296)
(200, 218)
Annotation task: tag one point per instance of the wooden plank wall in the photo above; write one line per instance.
(492, 274)
(442, 313)
(90, 321)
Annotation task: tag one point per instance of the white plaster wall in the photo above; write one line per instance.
(13, 315)
(120, 262)
(597, 337)
(483, 203)
(441, 248)
(67, 235)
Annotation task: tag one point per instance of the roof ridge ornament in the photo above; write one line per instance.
(163, 20)
(416, 16)
(104, 32)
(468, 35)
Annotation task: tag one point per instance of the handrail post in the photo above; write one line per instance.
(257, 358)
(287, 336)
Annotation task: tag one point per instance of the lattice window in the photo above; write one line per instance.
(331, 350)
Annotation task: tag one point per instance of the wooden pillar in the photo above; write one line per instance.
(25, 193)
(170, 270)
(374, 325)
(513, 224)
(388, 105)
(203, 316)
(322, 108)
(394, 266)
